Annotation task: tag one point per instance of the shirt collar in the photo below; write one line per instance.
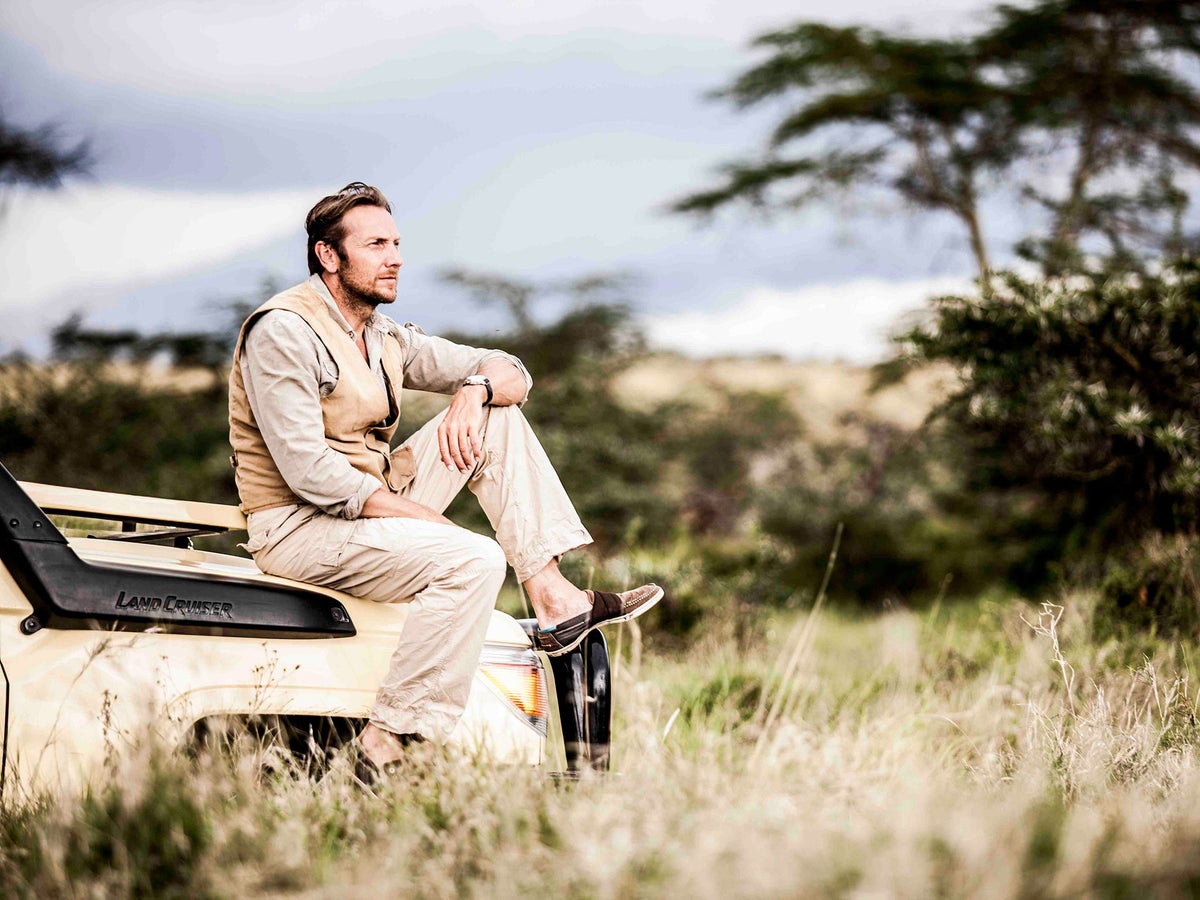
(376, 322)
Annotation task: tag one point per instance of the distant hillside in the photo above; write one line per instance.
(822, 393)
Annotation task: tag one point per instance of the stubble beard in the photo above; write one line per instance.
(361, 291)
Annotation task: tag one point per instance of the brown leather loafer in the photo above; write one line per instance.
(606, 609)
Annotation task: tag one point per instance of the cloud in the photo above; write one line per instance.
(222, 47)
(584, 201)
(85, 242)
(848, 321)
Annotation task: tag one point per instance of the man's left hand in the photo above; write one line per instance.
(460, 434)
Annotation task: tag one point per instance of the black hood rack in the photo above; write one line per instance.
(68, 592)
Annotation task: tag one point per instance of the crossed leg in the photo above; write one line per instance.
(452, 575)
(534, 522)
(523, 498)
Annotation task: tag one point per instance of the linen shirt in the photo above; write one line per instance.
(287, 370)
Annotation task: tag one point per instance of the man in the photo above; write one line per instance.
(314, 400)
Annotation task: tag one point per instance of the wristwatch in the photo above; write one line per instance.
(483, 380)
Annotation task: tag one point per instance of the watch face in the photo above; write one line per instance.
(480, 381)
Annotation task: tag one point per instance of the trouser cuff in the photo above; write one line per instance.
(533, 559)
(430, 722)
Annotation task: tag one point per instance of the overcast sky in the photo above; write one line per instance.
(537, 140)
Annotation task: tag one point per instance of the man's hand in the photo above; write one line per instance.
(459, 436)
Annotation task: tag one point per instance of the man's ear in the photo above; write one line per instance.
(328, 256)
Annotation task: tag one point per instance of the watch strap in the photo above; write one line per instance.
(481, 380)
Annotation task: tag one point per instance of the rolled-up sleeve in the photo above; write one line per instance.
(282, 372)
(438, 365)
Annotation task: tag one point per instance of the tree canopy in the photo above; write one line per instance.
(1095, 89)
(39, 156)
(1090, 393)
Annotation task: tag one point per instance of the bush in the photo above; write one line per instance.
(147, 839)
(722, 447)
(1156, 589)
(909, 528)
(90, 425)
(1079, 401)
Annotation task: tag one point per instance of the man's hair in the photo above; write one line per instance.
(324, 221)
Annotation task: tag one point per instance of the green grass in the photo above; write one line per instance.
(943, 753)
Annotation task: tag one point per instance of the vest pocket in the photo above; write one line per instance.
(402, 469)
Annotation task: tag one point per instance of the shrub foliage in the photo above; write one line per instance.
(1083, 396)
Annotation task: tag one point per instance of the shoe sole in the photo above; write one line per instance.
(654, 598)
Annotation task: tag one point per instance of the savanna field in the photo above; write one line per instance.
(790, 721)
(931, 627)
(982, 748)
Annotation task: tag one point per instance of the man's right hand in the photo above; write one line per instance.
(460, 434)
(384, 504)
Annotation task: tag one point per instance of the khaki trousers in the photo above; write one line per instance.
(450, 576)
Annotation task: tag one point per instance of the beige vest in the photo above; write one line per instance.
(360, 417)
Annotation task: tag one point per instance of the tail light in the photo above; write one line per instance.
(517, 675)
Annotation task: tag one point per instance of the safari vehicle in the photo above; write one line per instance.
(125, 629)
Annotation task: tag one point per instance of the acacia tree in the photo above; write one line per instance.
(491, 290)
(1090, 84)
(914, 116)
(518, 298)
(1097, 85)
(39, 156)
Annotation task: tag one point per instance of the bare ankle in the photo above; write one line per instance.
(553, 597)
(562, 606)
(383, 746)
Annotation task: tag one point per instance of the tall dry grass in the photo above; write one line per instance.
(982, 749)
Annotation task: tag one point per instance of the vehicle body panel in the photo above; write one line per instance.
(77, 695)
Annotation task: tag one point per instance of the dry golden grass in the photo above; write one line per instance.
(987, 749)
(950, 753)
(822, 394)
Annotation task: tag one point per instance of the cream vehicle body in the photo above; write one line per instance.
(109, 636)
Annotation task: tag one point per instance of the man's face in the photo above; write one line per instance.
(370, 262)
